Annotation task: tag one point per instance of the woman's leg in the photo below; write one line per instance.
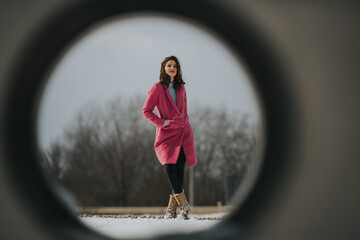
(173, 178)
(181, 198)
(180, 166)
(175, 173)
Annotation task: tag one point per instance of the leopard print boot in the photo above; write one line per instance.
(183, 204)
(171, 209)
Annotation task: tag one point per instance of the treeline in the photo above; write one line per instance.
(106, 157)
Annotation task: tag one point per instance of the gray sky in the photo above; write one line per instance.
(123, 56)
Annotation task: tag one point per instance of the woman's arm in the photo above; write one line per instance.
(149, 105)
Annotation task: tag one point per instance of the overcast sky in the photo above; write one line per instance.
(123, 56)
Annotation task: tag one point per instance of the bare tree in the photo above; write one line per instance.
(106, 157)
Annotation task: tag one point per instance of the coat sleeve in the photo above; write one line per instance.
(186, 112)
(149, 105)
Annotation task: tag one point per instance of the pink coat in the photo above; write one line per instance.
(169, 139)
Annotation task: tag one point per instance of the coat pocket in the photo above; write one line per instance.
(169, 125)
(177, 123)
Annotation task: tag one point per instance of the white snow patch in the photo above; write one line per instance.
(147, 227)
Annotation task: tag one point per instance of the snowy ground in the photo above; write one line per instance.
(147, 227)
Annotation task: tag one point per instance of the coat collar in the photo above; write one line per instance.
(178, 98)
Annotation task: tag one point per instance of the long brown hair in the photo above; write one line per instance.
(165, 78)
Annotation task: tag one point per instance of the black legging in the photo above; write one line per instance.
(175, 172)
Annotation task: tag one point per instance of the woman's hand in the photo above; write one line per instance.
(168, 121)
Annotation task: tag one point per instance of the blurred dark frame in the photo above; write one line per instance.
(26, 79)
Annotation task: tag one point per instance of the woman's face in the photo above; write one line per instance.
(171, 68)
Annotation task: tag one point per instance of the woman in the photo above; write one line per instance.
(174, 141)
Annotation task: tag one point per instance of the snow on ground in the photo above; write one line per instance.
(148, 227)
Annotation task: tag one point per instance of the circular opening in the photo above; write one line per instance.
(44, 206)
(98, 148)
